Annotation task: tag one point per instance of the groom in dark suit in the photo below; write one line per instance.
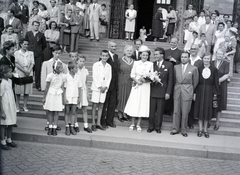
(160, 91)
(111, 98)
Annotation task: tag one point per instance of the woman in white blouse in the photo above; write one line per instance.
(130, 15)
(24, 60)
(139, 99)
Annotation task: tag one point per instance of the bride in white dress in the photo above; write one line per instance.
(139, 100)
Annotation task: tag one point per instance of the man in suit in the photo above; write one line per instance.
(207, 10)
(188, 15)
(71, 5)
(94, 12)
(76, 24)
(53, 12)
(15, 22)
(214, 20)
(209, 30)
(111, 97)
(160, 92)
(137, 43)
(186, 79)
(37, 43)
(173, 54)
(22, 13)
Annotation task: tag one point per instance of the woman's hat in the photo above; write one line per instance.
(144, 48)
(233, 30)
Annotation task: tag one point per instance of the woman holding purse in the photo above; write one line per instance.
(172, 16)
(24, 61)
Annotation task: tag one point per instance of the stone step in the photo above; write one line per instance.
(234, 89)
(233, 107)
(234, 100)
(233, 95)
(231, 114)
(233, 84)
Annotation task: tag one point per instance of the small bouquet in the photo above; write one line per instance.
(152, 77)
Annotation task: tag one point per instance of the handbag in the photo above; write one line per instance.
(102, 22)
(23, 80)
(215, 103)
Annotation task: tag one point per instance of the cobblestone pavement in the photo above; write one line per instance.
(37, 158)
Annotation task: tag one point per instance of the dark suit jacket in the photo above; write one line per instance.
(176, 54)
(115, 69)
(166, 76)
(134, 56)
(25, 13)
(1, 25)
(36, 44)
(76, 28)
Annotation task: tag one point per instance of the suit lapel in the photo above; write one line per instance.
(186, 71)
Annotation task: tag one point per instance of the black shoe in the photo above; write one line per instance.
(199, 134)
(185, 134)
(46, 127)
(121, 119)
(111, 125)
(206, 134)
(191, 126)
(88, 130)
(174, 133)
(150, 130)
(209, 124)
(39, 89)
(158, 131)
(15, 125)
(105, 126)
(126, 119)
(77, 129)
(54, 131)
(97, 40)
(72, 131)
(100, 127)
(12, 144)
(216, 127)
(91, 39)
(58, 128)
(94, 128)
(67, 131)
(5, 147)
(50, 131)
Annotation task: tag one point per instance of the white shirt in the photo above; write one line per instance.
(111, 55)
(72, 84)
(192, 62)
(159, 63)
(184, 66)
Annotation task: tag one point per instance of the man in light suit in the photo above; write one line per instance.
(186, 79)
(22, 13)
(160, 92)
(53, 12)
(209, 30)
(71, 5)
(188, 15)
(76, 24)
(111, 98)
(214, 19)
(94, 12)
(15, 22)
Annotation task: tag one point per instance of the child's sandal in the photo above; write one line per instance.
(139, 129)
(131, 127)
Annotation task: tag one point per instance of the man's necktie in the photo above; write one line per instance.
(94, 7)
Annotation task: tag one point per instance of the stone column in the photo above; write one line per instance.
(181, 7)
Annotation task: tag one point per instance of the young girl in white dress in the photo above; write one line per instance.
(53, 100)
(7, 107)
(139, 99)
(83, 73)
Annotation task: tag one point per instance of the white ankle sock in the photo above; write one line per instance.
(3, 142)
(9, 140)
(76, 124)
(85, 125)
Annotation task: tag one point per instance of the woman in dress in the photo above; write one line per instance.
(124, 81)
(9, 36)
(61, 10)
(103, 17)
(45, 16)
(223, 73)
(143, 34)
(130, 15)
(172, 16)
(52, 37)
(139, 99)
(64, 39)
(219, 37)
(207, 88)
(158, 25)
(34, 17)
(193, 26)
(24, 67)
(86, 24)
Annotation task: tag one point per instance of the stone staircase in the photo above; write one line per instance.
(230, 121)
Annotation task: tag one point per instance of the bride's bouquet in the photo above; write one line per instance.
(152, 77)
